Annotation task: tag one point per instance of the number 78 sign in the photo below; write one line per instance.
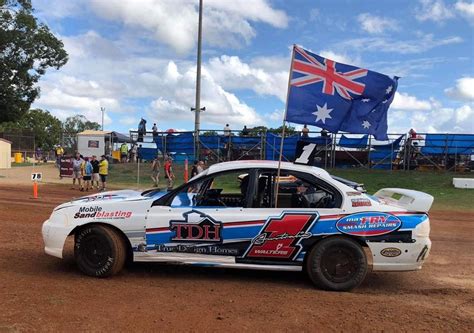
(305, 152)
(36, 176)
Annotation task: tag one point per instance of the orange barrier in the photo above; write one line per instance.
(35, 190)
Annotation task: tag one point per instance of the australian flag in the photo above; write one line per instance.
(338, 97)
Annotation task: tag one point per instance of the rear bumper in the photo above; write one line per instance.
(54, 236)
(411, 257)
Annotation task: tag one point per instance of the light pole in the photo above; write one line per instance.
(103, 112)
(197, 120)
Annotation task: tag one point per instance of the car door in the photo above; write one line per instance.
(307, 208)
(200, 222)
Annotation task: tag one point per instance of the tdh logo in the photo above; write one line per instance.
(196, 227)
(281, 236)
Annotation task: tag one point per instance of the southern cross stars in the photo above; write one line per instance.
(389, 89)
(366, 124)
(322, 113)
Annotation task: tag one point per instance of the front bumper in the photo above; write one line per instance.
(54, 237)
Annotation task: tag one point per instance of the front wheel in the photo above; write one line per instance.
(337, 263)
(99, 251)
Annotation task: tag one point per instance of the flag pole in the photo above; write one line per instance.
(277, 180)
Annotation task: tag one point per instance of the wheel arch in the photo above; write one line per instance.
(358, 240)
(119, 232)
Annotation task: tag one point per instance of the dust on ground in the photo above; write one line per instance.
(42, 293)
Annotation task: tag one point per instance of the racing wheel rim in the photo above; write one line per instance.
(339, 264)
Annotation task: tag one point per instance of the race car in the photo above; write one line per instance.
(244, 215)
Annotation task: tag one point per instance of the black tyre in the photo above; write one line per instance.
(99, 251)
(337, 263)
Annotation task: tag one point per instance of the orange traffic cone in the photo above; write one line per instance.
(35, 190)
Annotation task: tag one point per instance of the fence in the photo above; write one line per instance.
(423, 151)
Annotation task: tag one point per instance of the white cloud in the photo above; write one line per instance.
(433, 10)
(466, 9)
(264, 76)
(380, 44)
(225, 23)
(341, 57)
(403, 101)
(464, 89)
(376, 24)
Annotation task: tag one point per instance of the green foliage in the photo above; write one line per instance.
(209, 133)
(74, 125)
(46, 128)
(27, 50)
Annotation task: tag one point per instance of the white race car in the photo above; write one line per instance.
(230, 216)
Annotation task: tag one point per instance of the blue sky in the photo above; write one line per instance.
(137, 58)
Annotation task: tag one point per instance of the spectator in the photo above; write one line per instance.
(86, 171)
(200, 167)
(227, 130)
(245, 131)
(38, 154)
(194, 169)
(95, 172)
(155, 132)
(76, 171)
(155, 171)
(305, 131)
(141, 130)
(169, 175)
(324, 133)
(139, 154)
(59, 152)
(103, 171)
(412, 134)
(124, 152)
(133, 153)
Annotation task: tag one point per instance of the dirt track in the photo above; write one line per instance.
(39, 292)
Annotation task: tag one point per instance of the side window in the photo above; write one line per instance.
(227, 189)
(295, 190)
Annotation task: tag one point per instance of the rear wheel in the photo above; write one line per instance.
(337, 263)
(99, 251)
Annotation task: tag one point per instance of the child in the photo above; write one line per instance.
(86, 170)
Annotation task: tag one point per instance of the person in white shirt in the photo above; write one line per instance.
(227, 130)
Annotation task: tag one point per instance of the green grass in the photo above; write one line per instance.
(438, 184)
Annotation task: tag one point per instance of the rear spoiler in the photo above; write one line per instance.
(411, 200)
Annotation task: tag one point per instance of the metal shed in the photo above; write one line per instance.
(5, 154)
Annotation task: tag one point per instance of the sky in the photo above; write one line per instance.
(137, 58)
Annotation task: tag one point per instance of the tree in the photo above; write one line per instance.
(46, 128)
(74, 125)
(27, 50)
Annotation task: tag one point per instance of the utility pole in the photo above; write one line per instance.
(103, 112)
(197, 108)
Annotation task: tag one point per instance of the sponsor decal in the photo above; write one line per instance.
(368, 224)
(360, 202)
(97, 212)
(391, 252)
(188, 248)
(203, 229)
(353, 194)
(280, 236)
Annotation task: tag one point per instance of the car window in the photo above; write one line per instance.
(226, 189)
(295, 190)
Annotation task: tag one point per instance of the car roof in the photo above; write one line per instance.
(235, 165)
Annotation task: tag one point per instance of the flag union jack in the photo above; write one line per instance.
(310, 71)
